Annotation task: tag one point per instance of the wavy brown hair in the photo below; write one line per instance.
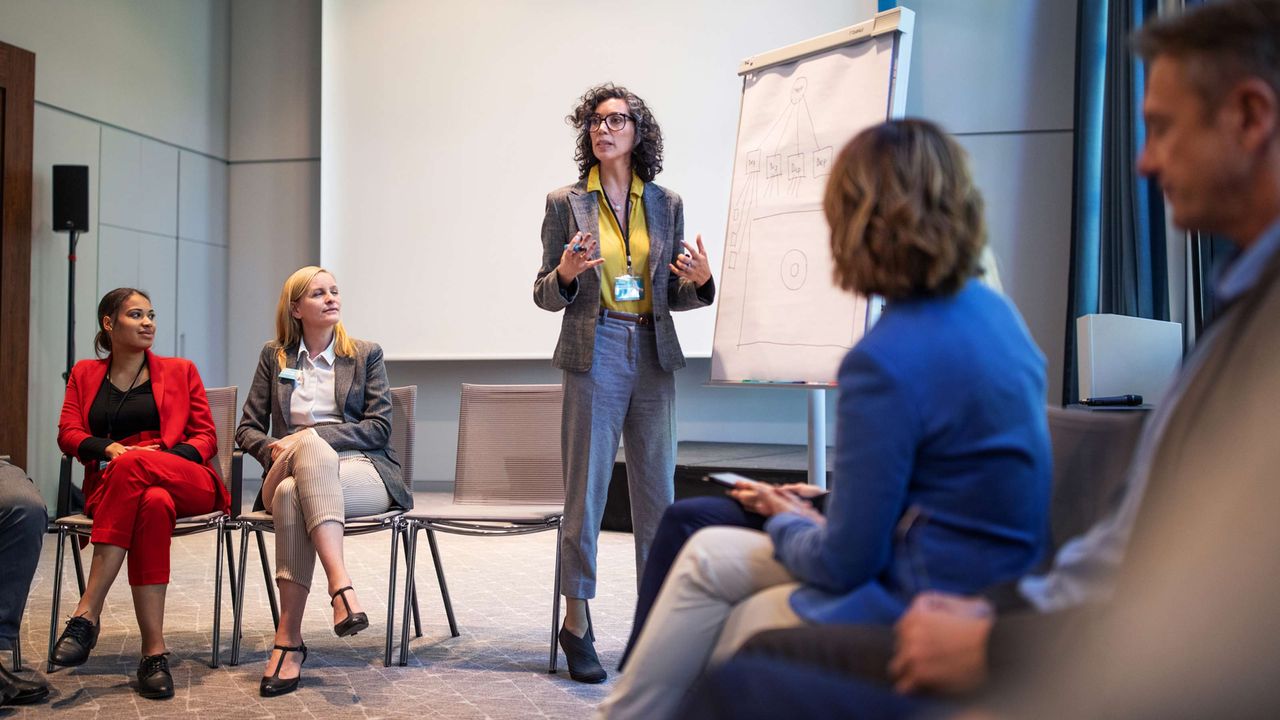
(905, 216)
(646, 157)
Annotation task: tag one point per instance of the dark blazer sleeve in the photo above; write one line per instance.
(252, 433)
(372, 430)
(547, 291)
(685, 294)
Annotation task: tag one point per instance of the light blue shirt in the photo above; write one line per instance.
(1084, 570)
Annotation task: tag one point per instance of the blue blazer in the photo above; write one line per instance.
(942, 466)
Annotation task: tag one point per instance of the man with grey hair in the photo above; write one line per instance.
(1190, 631)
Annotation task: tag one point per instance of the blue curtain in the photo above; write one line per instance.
(1118, 262)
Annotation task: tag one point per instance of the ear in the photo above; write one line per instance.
(105, 323)
(1259, 110)
(294, 312)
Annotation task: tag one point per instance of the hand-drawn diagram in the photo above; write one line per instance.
(791, 145)
(781, 316)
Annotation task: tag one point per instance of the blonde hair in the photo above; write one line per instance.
(289, 328)
(905, 216)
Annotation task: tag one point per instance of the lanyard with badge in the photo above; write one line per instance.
(628, 287)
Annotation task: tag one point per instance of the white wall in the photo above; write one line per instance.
(137, 91)
(1000, 75)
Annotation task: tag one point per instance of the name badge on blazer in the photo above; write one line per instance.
(290, 374)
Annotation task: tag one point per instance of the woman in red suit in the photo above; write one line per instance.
(141, 425)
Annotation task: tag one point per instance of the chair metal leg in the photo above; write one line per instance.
(57, 596)
(266, 576)
(228, 533)
(17, 653)
(75, 546)
(217, 594)
(417, 613)
(410, 587)
(555, 608)
(391, 590)
(444, 587)
(239, 613)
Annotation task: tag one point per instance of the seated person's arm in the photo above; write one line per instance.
(879, 429)
(373, 430)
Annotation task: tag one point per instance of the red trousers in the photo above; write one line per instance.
(137, 502)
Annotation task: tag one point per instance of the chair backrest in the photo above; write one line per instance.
(509, 445)
(1091, 455)
(222, 403)
(404, 404)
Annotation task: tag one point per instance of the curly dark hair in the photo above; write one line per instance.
(906, 219)
(646, 158)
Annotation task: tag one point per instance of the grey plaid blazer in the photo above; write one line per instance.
(362, 393)
(571, 209)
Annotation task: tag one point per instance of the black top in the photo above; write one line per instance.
(116, 414)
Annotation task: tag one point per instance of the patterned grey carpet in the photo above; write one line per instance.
(497, 668)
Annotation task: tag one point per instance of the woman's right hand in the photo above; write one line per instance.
(576, 258)
(115, 450)
(279, 447)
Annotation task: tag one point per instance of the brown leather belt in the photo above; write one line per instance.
(639, 319)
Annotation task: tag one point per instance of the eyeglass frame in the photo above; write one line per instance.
(603, 121)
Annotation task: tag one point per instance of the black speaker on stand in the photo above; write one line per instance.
(71, 214)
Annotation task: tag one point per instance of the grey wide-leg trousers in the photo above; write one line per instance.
(625, 393)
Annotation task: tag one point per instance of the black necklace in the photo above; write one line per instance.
(111, 421)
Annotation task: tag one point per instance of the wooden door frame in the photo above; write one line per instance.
(17, 88)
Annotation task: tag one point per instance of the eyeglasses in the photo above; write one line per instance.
(614, 121)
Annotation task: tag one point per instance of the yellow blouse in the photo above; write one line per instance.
(613, 250)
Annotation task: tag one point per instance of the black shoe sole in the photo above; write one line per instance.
(342, 629)
(156, 694)
(26, 699)
(277, 691)
(62, 663)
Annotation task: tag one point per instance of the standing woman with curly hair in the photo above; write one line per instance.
(614, 259)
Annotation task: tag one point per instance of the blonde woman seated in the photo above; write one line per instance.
(942, 467)
(318, 418)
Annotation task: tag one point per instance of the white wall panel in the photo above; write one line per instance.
(139, 183)
(202, 311)
(150, 263)
(993, 65)
(275, 79)
(156, 67)
(202, 198)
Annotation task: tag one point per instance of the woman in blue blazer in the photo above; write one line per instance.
(942, 471)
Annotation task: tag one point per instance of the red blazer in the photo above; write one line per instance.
(180, 402)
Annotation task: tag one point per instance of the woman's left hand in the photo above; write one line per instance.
(693, 266)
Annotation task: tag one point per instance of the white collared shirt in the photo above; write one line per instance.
(314, 398)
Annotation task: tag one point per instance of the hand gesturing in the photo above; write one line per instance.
(576, 258)
(693, 266)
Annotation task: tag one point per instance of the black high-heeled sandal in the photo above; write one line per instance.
(273, 686)
(355, 622)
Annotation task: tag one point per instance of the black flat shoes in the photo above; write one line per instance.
(355, 622)
(77, 639)
(154, 680)
(16, 691)
(274, 685)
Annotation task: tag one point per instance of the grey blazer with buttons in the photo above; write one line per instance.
(571, 209)
(362, 393)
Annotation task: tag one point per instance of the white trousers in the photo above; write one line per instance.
(723, 588)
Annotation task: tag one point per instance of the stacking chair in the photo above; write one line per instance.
(222, 402)
(508, 482)
(403, 405)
